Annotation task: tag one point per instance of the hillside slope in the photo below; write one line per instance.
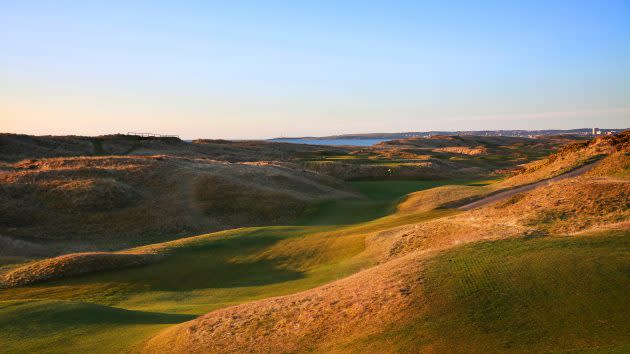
(439, 288)
(472, 299)
(91, 203)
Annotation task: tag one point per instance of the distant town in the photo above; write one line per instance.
(586, 132)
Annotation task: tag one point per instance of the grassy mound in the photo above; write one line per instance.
(567, 206)
(208, 272)
(442, 196)
(552, 294)
(570, 157)
(536, 295)
(104, 203)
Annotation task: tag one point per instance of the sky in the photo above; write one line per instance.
(263, 69)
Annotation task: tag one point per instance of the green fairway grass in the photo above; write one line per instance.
(204, 273)
(74, 327)
(538, 294)
(380, 199)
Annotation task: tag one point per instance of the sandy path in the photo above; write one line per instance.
(508, 193)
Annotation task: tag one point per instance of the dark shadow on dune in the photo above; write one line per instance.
(62, 313)
(220, 263)
(224, 275)
(121, 316)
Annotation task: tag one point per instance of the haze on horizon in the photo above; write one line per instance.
(280, 68)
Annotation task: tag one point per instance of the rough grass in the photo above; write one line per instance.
(71, 265)
(109, 202)
(572, 156)
(567, 206)
(616, 165)
(537, 295)
(444, 196)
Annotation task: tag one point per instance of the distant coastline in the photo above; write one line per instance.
(404, 135)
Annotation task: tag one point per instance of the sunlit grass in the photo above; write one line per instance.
(521, 295)
(203, 273)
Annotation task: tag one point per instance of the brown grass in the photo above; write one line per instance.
(570, 157)
(16, 147)
(616, 165)
(438, 197)
(566, 206)
(99, 203)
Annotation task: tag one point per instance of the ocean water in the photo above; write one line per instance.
(332, 142)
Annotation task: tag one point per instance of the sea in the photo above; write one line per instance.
(331, 142)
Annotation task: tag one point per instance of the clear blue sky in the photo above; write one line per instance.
(240, 69)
